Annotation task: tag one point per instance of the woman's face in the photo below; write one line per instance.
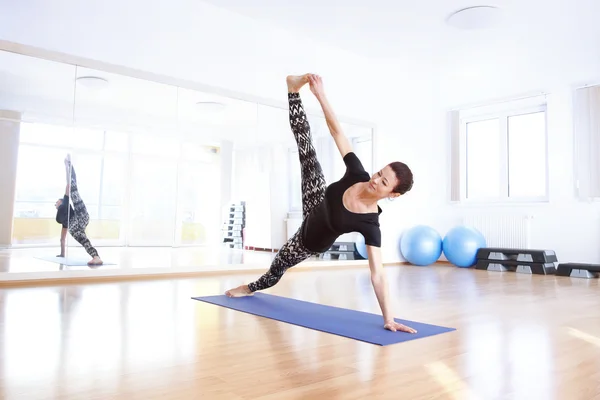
(383, 182)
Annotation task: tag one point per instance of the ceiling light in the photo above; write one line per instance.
(93, 82)
(211, 106)
(478, 17)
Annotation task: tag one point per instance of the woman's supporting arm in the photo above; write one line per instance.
(380, 285)
(63, 241)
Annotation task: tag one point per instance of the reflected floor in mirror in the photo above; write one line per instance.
(32, 264)
(517, 337)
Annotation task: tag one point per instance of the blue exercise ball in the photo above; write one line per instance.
(361, 247)
(460, 245)
(421, 245)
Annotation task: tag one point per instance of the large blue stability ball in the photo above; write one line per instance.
(460, 245)
(361, 247)
(421, 245)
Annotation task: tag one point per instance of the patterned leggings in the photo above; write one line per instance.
(80, 218)
(313, 192)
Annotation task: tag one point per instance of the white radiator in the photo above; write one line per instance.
(512, 231)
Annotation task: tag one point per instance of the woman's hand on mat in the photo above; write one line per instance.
(394, 327)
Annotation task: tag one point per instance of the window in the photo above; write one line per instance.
(502, 154)
(138, 189)
(153, 191)
(586, 142)
(41, 181)
(483, 159)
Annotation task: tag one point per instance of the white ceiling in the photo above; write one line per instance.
(538, 38)
(538, 45)
(401, 28)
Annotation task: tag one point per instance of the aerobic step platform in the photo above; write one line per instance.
(526, 261)
(516, 266)
(578, 270)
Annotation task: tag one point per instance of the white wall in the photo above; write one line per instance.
(564, 224)
(191, 40)
(485, 74)
(9, 145)
(226, 169)
(407, 98)
(250, 183)
(279, 195)
(412, 127)
(260, 178)
(407, 132)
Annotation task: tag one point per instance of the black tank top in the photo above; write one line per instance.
(330, 219)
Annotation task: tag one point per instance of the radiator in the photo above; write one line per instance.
(511, 231)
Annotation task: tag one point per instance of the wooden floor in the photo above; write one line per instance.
(518, 337)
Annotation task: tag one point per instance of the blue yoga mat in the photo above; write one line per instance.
(352, 324)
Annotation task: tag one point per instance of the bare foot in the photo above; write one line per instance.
(68, 162)
(239, 291)
(95, 261)
(295, 82)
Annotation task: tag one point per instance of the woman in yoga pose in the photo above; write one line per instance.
(75, 218)
(348, 205)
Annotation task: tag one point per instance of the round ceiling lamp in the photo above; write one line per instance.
(93, 82)
(210, 106)
(472, 18)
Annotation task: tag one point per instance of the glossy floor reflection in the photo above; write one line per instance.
(24, 259)
(518, 337)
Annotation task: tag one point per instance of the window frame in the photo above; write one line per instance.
(502, 114)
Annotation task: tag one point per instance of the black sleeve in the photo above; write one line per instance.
(372, 235)
(353, 164)
(62, 216)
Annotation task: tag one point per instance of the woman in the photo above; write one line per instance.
(348, 205)
(75, 218)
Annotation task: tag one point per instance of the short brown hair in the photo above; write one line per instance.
(404, 176)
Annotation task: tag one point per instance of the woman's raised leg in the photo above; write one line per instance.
(80, 219)
(313, 193)
(313, 180)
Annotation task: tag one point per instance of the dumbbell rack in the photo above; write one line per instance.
(233, 226)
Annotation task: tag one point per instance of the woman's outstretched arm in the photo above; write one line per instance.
(341, 141)
(380, 285)
(68, 174)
